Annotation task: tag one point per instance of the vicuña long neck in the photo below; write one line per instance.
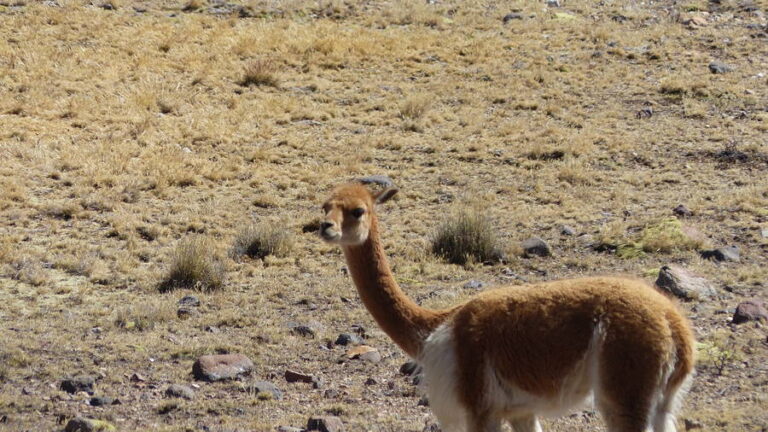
(407, 323)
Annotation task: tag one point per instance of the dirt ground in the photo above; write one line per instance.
(130, 128)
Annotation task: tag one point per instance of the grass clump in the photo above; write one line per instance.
(259, 73)
(143, 316)
(194, 265)
(259, 241)
(415, 107)
(466, 236)
(664, 236)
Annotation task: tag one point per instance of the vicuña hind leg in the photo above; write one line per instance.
(525, 424)
(628, 385)
(483, 423)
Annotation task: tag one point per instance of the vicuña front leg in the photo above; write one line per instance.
(525, 424)
(483, 423)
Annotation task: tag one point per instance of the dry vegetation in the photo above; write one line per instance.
(130, 130)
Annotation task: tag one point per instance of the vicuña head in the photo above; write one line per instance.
(348, 213)
(514, 353)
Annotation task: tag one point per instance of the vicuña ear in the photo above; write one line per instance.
(385, 195)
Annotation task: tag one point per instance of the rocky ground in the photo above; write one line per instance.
(596, 137)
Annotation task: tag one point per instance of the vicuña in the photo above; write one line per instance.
(516, 353)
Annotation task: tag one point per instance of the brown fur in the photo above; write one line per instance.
(532, 336)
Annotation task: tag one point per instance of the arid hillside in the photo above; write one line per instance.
(153, 150)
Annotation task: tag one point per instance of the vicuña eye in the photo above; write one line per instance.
(358, 212)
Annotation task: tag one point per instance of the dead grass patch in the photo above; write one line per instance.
(196, 265)
(261, 72)
(467, 236)
(143, 316)
(259, 241)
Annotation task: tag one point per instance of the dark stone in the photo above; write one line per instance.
(101, 401)
(78, 384)
(424, 401)
(535, 246)
(567, 231)
(719, 68)
(410, 368)
(729, 253)
(221, 367)
(80, 424)
(325, 424)
(293, 376)
(371, 381)
(750, 310)
(185, 312)
(684, 284)
(345, 339)
(512, 16)
(474, 285)
(305, 330)
(189, 300)
(682, 211)
(265, 387)
(180, 391)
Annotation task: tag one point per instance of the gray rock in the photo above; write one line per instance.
(305, 330)
(289, 429)
(293, 376)
(345, 339)
(380, 180)
(474, 285)
(264, 387)
(371, 357)
(77, 384)
(750, 310)
(189, 300)
(567, 231)
(684, 284)
(180, 391)
(512, 16)
(101, 401)
(728, 253)
(325, 424)
(764, 232)
(221, 367)
(81, 424)
(682, 211)
(365, 353)
(185, 312)
(553, 3)
(720, 68)
(535, 246)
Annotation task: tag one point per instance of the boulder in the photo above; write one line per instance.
(325, 424)
(221, 367)
(750, 310)
(684, 284)
(723, 254)
(535, 246)
(77, 384)
(180, 391)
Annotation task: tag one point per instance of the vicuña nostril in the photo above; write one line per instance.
(325, 225)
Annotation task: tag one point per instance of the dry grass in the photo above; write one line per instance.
(194, 265)
(128, 132)
(467, 236)
(259, 241)
(260, 73)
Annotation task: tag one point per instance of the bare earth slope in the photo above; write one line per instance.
(127, 128)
